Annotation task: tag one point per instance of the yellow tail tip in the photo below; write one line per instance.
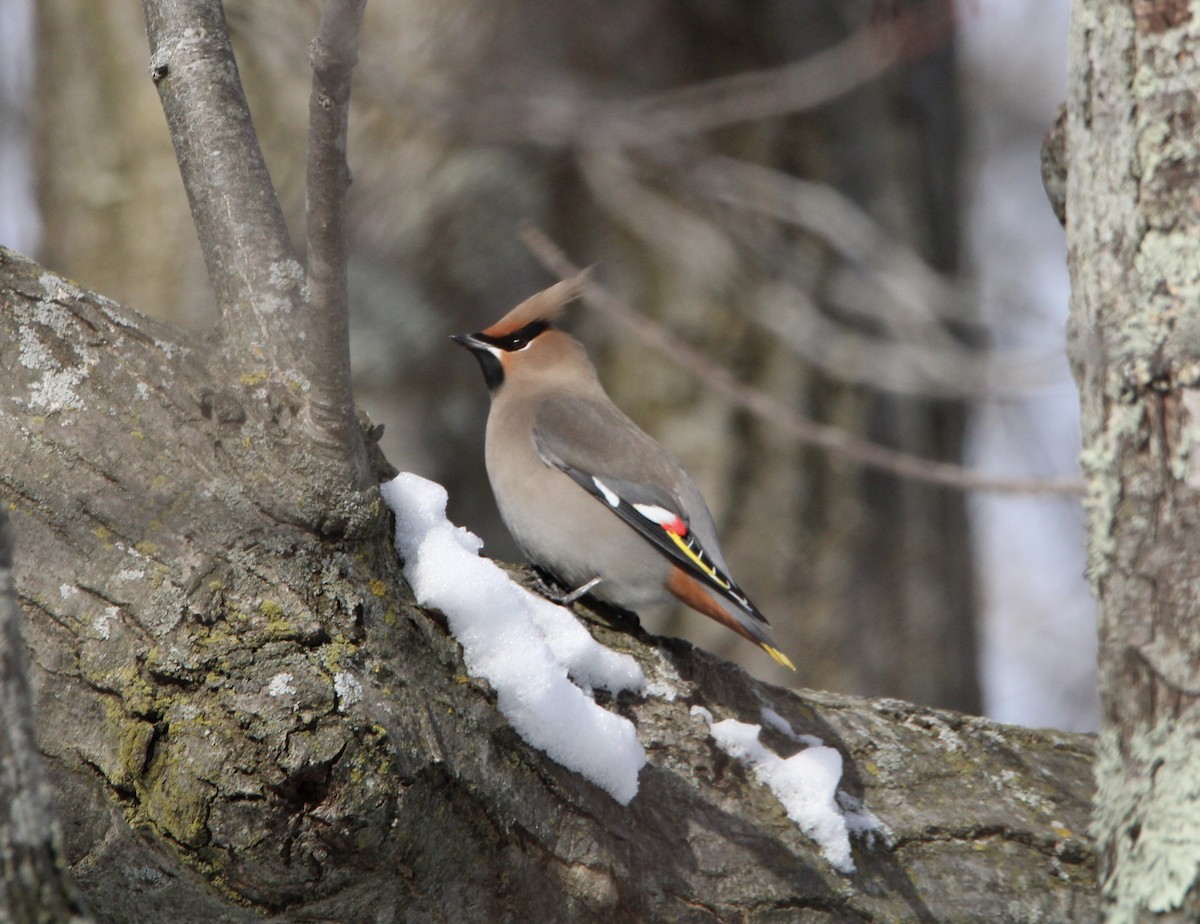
(780, 657)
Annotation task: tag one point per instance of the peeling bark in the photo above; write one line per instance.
(245, 714)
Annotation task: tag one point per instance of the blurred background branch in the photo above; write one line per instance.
(760, 403)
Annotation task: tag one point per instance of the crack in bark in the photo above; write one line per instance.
(1070, 850)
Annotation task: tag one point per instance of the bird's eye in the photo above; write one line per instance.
(520, 339)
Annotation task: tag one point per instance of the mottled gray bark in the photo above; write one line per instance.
(247, 716)
(273, 327)
(326, 345)
(35, 886)
(1132, 232)
(251, 263)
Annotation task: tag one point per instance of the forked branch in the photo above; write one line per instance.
(270, 321)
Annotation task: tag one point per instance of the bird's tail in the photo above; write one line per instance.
(748, 623)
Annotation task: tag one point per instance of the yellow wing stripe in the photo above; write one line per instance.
(705, 566)
(696, 555)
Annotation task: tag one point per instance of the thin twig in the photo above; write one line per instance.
(823, 210)
(752, 95)
(331, 417)
(906, 349)
(568, 118)
(251, 263)
(899, 366)
(800, 86)
(838, 442)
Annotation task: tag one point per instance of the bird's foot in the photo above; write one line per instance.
(553, 591)
(607, 613)
(578, 592)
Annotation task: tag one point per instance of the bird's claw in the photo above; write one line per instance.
(550, 589)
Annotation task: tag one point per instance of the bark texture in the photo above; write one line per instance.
(1132, 227)
(34, 884)
(245, 715)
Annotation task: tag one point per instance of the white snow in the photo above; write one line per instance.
(805, 784)
(776, 721)
(527, 648)
(784, 727)
(860, 820)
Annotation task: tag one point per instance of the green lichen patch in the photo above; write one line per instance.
(1148, 811)
(173, 796)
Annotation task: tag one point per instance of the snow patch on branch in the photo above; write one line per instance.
(541, 662)
(805, 783)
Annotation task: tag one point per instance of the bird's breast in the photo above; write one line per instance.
(567, 531)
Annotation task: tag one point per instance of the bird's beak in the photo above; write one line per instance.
(470, 341)
(486, 355)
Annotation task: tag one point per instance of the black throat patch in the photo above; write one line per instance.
(493, 369)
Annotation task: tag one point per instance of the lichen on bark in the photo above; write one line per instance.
(244, 712)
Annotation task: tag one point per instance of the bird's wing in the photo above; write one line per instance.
(607, 455)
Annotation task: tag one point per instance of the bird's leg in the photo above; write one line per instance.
(551, 590)
(614, 616)
(579, 592)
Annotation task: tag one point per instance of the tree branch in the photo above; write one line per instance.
(34, 885)
(331, 416)
(268, 324)
(839, 442)
(258, 720)
(251, 264)
(562, 117)
(909, 350)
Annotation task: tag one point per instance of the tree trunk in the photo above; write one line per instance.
(1132, 227)
(245, 714)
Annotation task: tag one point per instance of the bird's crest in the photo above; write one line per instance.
(545, 306)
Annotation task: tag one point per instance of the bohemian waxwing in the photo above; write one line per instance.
(586, 494)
